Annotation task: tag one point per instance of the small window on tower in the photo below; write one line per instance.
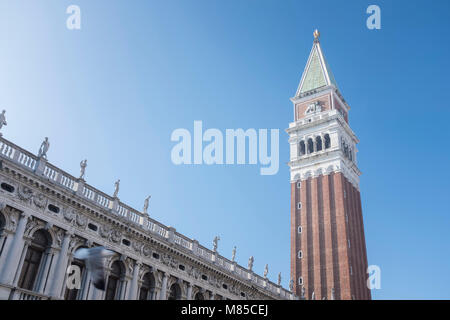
(299, 185)
(302, 148)
(300, 281)
(310, 145)
(300, 254)
(299, 229)
(319, 143)
(327, 141)
(299, 205)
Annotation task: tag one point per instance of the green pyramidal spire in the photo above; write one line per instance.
(317, 73)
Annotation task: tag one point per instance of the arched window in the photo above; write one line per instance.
(327, 141)
(345, 150)
(34, 259)
(76, 294)
(310, 145)
(114, 281)
(148, 287)
(199, 296)
(175, 292)
(318, 143)
(302, 148)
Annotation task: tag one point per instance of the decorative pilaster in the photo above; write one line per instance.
(40, 166)
(57, 276)
(189, 291)
(47, 264)
(163, 295)
(172, 231)
(13, 256)
(134, 281)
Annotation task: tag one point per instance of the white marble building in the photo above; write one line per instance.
(46, 214)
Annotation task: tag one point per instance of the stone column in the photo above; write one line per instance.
(163, 295)
(47, 264)
(27, 243)
(189, 292)
(134, 282)
(57, 277)
(5, 242)
(122, 292)
(13, 256)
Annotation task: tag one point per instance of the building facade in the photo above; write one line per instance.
(328, 251)
(46, 214)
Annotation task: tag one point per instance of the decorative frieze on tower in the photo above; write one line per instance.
(328, 251)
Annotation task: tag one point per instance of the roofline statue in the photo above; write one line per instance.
(216, 243)
(251, 260)
(44, 148)
(83, 165)
(2, 120)
(146, 202)
(116, 188)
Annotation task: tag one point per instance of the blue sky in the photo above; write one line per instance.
(114, 91)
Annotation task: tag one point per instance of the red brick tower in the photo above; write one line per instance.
(328, 251)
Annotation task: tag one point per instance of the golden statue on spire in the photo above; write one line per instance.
(316, 34)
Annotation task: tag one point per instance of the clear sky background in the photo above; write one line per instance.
(114, 91)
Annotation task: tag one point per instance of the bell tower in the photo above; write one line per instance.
(328, 251)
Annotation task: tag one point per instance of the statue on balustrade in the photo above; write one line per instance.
(216, 243)
(116, 188)
(44, 149)
(251, 260)
(146, 204)
(83, 165)
(233, 254)
(2, 120)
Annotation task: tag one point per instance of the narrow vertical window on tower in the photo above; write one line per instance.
(300, 254)
(310, 145)
(299, 184)
(300, 281)
(302, 149)
(327, 141)
(318, 143)
(299, 205)
(299, 229)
